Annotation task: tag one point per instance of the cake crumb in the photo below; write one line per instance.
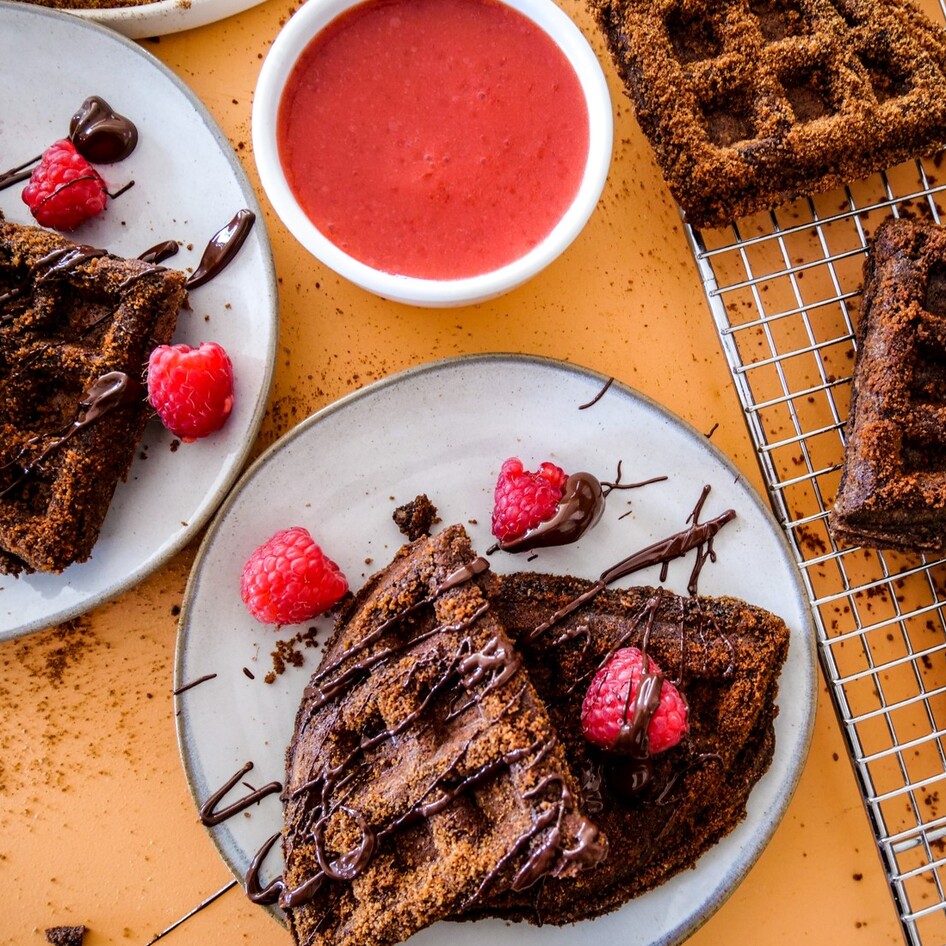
(65, 935)
(415, 518)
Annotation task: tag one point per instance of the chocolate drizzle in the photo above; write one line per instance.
(20, 173)
(160, 252)
(210, 817)
(221, 248)
(100, 134)
(106, 392)
(52, 266)
(697, 536)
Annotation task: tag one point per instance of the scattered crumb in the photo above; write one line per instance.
(415, 518)
(65, 935)
(288, 653)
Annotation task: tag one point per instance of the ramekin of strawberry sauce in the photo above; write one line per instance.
(434, 152)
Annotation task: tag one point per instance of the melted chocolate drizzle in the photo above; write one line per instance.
(697, 536)
(221, 248)
(160, 252)
(100, 134)
(209, 816)
(104, 394)
(52, 266)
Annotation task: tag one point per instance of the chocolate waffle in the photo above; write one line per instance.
(424, 774)
(893, 483)
(724, 656)
(751, 103)
(76, 328)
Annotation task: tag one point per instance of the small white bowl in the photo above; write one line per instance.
(292, 40)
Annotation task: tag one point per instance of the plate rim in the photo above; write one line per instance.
(163, 17)
(806, 635)
(206, 510)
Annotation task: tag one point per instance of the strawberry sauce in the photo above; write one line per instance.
(433, 138)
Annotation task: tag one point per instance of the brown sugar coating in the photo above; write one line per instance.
(424, 773)
(415, 518)
(95, 4)
(725, 657)
(893, 483)
(751, 103)
(76, 328)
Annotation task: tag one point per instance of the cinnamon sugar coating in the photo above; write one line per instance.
(69, 316)
(893, 483)
(431, 751)
(423, 763)
(751, 103)
(723, 654)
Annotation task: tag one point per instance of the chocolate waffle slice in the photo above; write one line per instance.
(423, 774)
(751, 103)
(76, 328)
(661, 815)
(893, 483)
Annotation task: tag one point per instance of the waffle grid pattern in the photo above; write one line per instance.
(784, 289)
(751, 101)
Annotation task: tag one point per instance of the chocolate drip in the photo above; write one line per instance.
(20, 173)
(160, 252)
(104, 394)
(187, 686)
(580, 507)
(210, 817)
(100, 134)
(697, 536)
(221, 248)
(634, 770)
(598, 396)
(51, 266)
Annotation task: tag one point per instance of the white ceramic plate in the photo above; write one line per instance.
(444, 429)
(164, 16)
(188, 184)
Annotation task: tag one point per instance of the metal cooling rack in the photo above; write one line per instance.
(784, 288)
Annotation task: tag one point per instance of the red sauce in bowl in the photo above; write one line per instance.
(433, 138)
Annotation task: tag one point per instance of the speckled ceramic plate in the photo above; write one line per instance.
(444, 429)
(164, 16)
(188, 184)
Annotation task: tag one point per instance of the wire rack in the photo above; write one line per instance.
(784, 289)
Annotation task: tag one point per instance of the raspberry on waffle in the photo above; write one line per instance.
(751, 103)
(893, 483)
(76, 328)
(660, 814)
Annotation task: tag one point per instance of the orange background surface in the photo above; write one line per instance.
(97, 826)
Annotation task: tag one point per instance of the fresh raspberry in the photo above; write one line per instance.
(522, 499)
(609, 703)
(64, 190)
(191, 388)
(289, 579)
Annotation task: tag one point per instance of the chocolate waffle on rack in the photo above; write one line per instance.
(725, 657)
(751, 103)
(893, 483)
(76, 328)
(424, 774)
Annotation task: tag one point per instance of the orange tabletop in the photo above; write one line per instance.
(97, 826)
